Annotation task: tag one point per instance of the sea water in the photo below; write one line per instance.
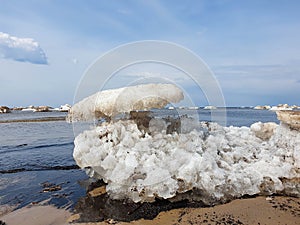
(33, 154)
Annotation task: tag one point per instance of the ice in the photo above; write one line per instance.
(143, 158)
(290, 118)
(263, 130)
(157, 125)
(109, 103)
(216, 163)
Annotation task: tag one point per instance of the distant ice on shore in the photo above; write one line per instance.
(279, 107)
(31, 108)
(143, 158)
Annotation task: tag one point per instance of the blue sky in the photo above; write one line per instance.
(253, 47)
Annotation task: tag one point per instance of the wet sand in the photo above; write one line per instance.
(36, 215)
(259, 210)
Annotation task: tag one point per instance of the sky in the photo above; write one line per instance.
(252, 47)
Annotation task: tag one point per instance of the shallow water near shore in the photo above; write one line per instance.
(36, 157)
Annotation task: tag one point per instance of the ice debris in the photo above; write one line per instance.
(214, 163)
(290, 118)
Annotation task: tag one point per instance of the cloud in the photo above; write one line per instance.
(21, 49)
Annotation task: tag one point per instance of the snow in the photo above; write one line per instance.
(220, 163)
(282, 107)
(109, 103)
(64, 108)
(29, 110)
(275, 108)
(210, 107)
(263, 130)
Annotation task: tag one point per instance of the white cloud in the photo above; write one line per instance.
(21, 49)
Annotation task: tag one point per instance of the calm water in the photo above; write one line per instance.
(234, 116)
(32, 153)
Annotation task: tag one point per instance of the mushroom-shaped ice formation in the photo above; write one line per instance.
(181, 158)
(109, 103)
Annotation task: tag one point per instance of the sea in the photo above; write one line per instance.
(36, 162)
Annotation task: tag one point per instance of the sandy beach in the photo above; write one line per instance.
(258, 210)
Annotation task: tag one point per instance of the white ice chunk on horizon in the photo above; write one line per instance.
(109, 103)
(222, 164)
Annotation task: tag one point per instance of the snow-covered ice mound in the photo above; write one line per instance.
(143, 158)
(111, 102)
(214, 163)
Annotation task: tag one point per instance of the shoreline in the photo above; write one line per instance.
(256, 210)
(45, 119)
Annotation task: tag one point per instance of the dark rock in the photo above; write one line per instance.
(4, 109)
(50, 187)
(142, 119)
(43, 109)
(17, 108)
